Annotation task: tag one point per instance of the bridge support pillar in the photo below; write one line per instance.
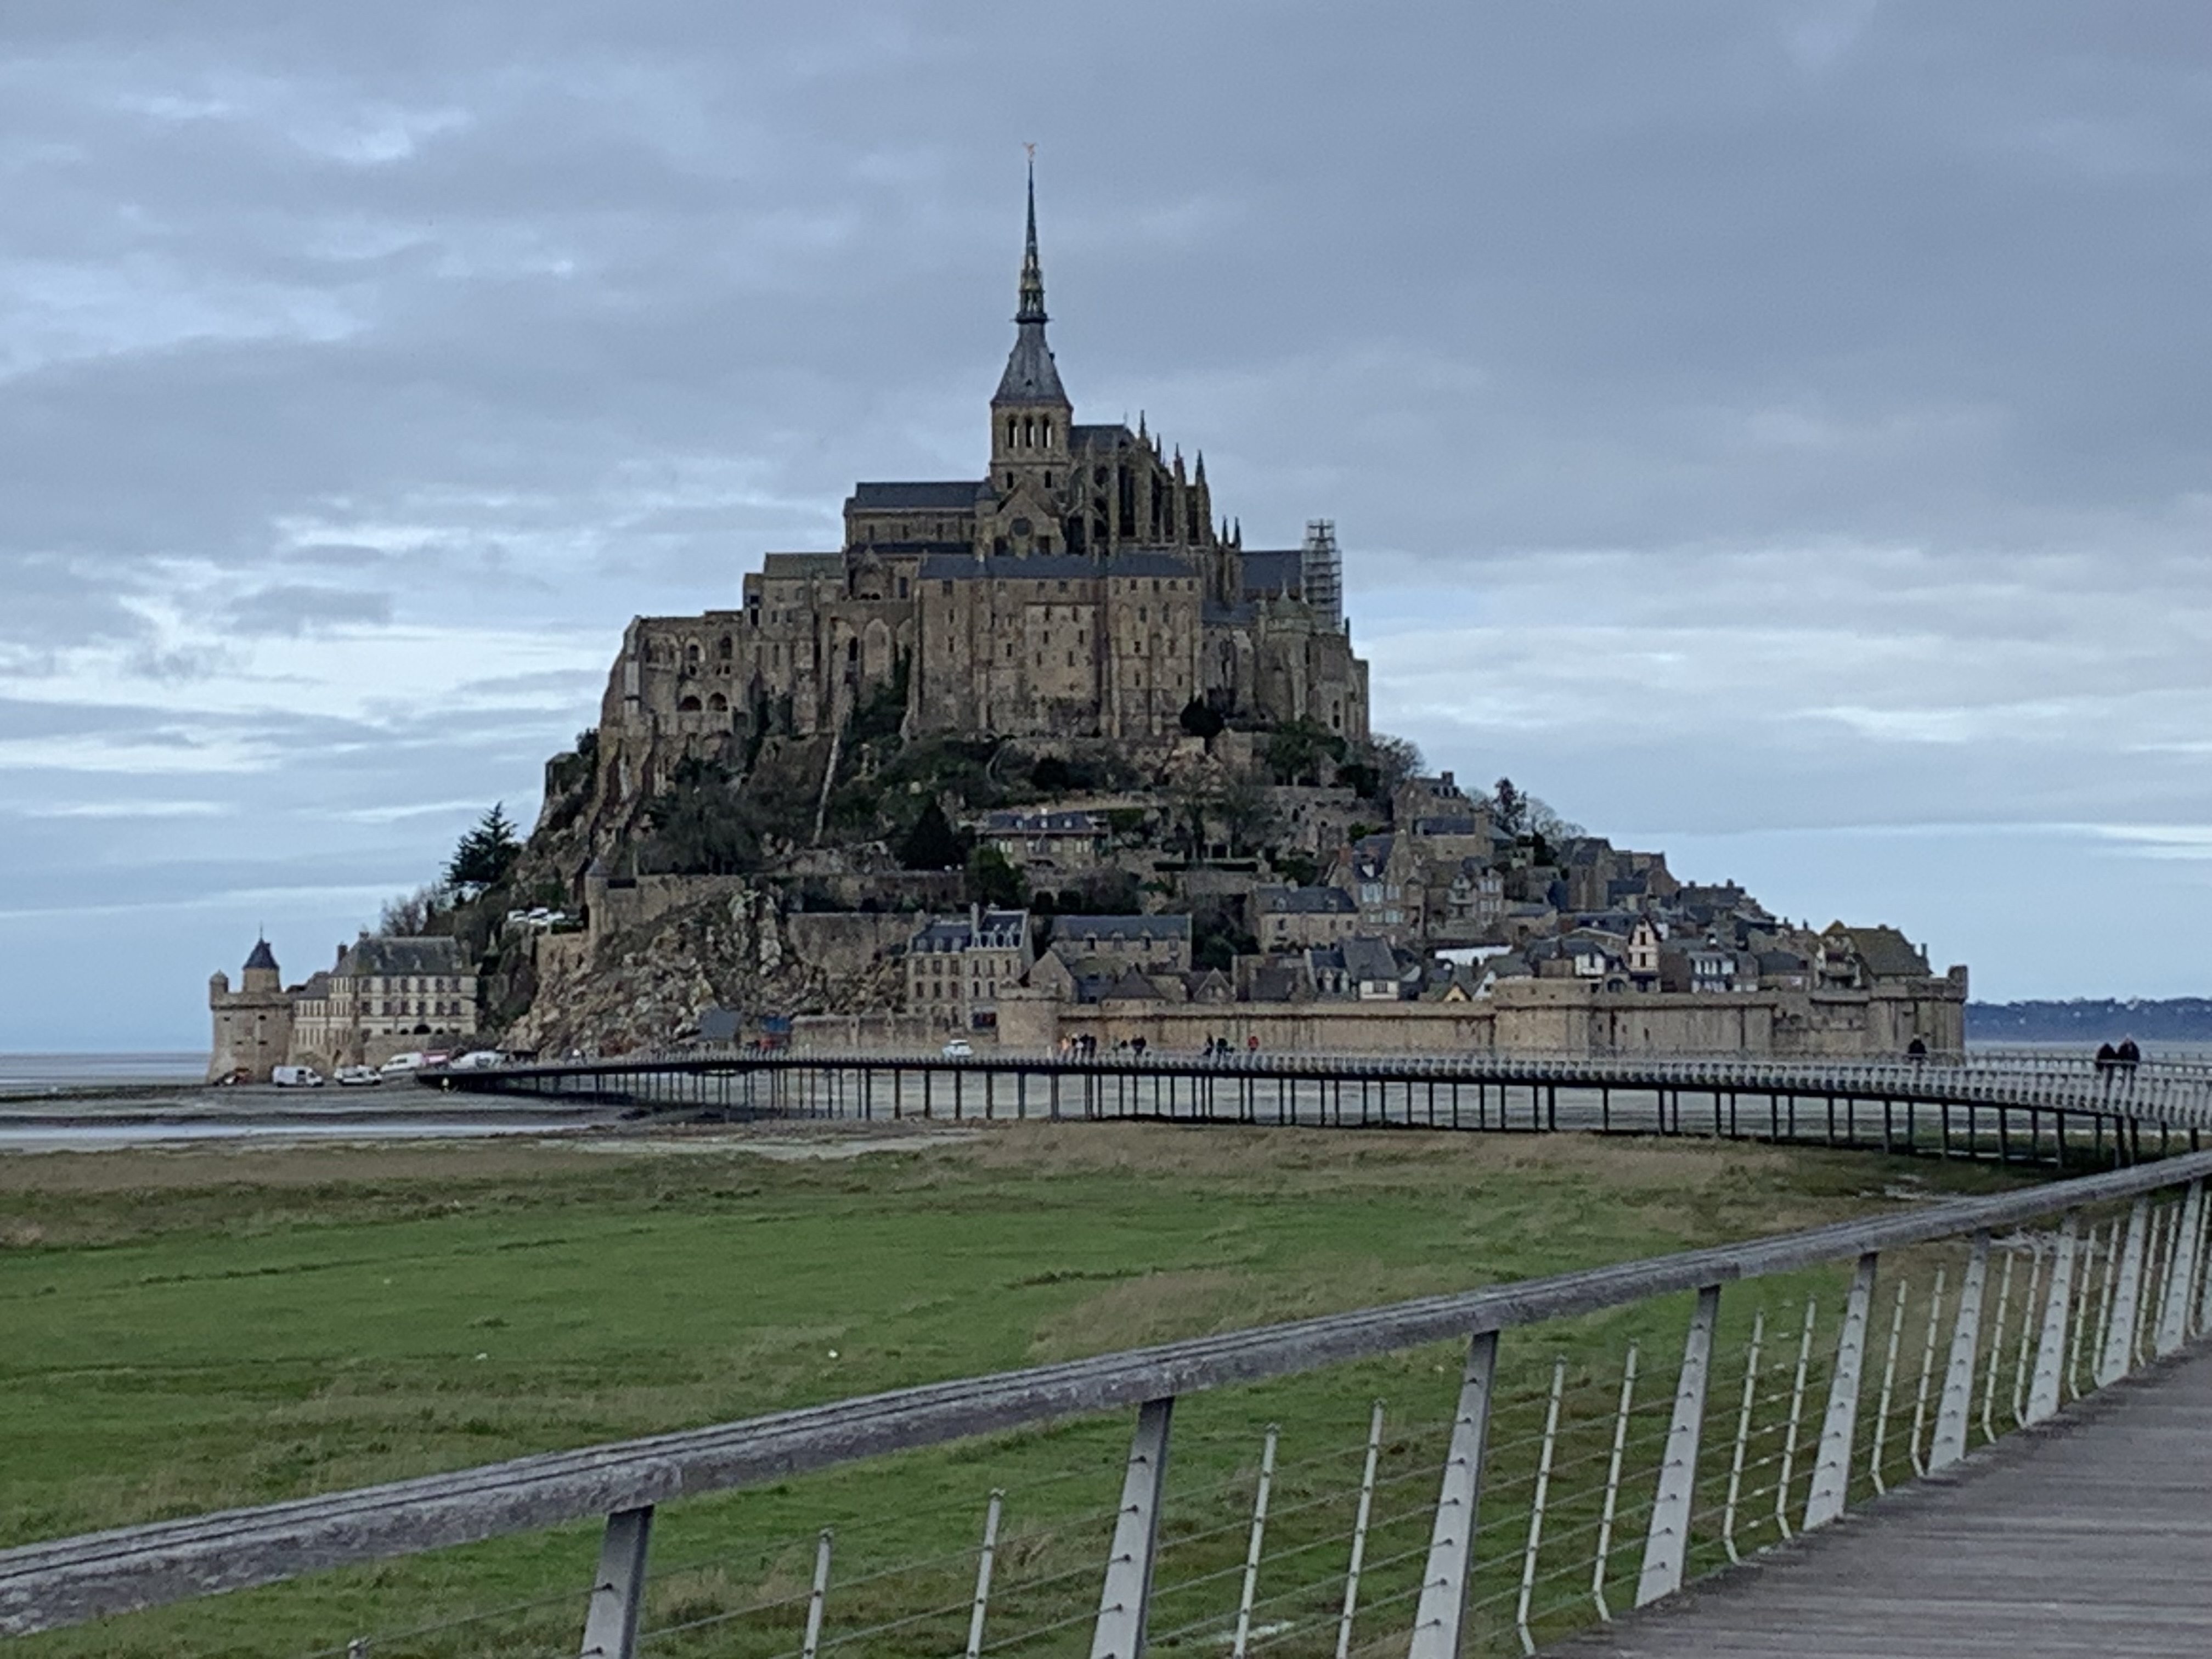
(1832, 1469)
(2181, 1274)
(618, 1592)
(1666, 1546)
(1125, 1600)
(2127, 1297)
(1441, 1615)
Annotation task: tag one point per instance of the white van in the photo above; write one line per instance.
(297, 1077)
(399, 1064)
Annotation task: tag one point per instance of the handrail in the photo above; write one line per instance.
(2151, 1091)
(69, 1580)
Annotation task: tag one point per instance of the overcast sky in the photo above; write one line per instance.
(1775, 431)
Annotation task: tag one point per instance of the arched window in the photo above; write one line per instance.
(1028, 435)
(1045, 426)
(724, 648)
(688, 706)
(719, 703)
(1011, 425)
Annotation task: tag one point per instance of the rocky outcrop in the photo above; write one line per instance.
(648, 985)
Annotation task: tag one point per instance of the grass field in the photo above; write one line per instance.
(197, 1329)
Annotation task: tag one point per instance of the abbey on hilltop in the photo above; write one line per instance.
(1082, 588)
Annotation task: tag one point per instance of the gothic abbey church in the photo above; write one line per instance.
(1082, 589)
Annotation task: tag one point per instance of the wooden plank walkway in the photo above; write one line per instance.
(2092, 1535)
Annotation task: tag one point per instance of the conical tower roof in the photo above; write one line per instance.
(263, 957)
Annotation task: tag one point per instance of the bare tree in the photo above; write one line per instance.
(410, 915)
(1395, 759)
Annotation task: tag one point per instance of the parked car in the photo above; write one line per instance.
(478, 1059)
(400, 1065)
(297, 1077)
(958, 1049)
(354, 1077)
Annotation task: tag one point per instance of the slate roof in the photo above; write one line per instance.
(1069, 931)
(1001, 930)
(1041, 567)
(1112, 435)
(1276, 984)
(1367, 959)
(1043, 824)
(1444, 826)
(932, 495)
(1031, 376)
(801, 567)
(1887, 953)
(385, 958)
(1280, 571)
(1305, 900)
(263, 957)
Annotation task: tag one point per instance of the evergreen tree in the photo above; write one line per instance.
(485, 854)
(1201, 718)
(930, 844)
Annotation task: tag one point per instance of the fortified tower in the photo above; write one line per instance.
(252, 1025)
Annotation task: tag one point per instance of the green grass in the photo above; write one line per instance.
(194, 1330)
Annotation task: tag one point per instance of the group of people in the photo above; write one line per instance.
(2123, 1056)
(1085, 1046)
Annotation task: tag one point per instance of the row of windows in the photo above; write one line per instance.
(393, 984)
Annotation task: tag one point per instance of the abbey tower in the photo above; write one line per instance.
(1081, 589)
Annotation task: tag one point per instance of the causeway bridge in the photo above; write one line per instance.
(1967, 1426)
(2011, 1107)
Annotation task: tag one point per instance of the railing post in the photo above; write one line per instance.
(1667, 1546)
(618, 1592)
(2027, 1345)
(1536, 1508)
(1442, 1612)
(1360, 1533)
(2181, 1274)
(1996, 1347)
(1241, 1643)
(1742, 1434)
(810, 1645)
(1611, 1488)
(1796, 1416)
(1927, 1372)
(1126, 1597)
(1875, 1441)
(2058, 1302)
(984, 1562)
(2120, 1333)
(1832, 1470)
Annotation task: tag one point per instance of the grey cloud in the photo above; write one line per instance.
(300, 608)
(1876, 324)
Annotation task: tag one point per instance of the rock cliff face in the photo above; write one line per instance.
(648, 985)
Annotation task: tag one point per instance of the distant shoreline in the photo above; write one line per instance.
(2092, 1020)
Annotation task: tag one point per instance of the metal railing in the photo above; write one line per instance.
(2175, 1094)
(1879, 1350)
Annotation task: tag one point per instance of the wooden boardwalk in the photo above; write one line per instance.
(2091, 1536)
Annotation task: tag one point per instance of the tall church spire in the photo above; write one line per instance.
(1032, 306)
(1031, 379)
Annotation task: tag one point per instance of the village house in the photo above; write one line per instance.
(1044, 843)
(957, 968)
(1292, 918)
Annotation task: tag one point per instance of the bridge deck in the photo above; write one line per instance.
(2092, 1535)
